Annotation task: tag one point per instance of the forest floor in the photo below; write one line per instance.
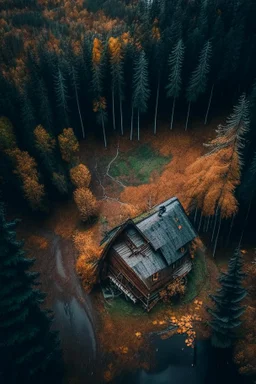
(127, 179)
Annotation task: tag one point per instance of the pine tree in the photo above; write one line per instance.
(117, 72)
(75, 86)
(198, 81)
(213, 178)
(61, 96)
(227, 311)
(29, 350)
(141, 91)
(99, 103)
(175, 64)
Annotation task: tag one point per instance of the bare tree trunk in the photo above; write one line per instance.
(131, 133)
(173, 108)
(230, 229)
(208, 223)
(156, 108)
(113, 109)
(138, 125)
(215, 222)
(80, 116)
(216, 239)
(200, 222)
(121, 116)
(104, 132)
(209, 105)
(189, 105)
(195, 214)
(245, 221)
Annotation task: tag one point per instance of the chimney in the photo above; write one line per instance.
(161, 211)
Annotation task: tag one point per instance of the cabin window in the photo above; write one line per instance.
(176, 219)
(155, 276)
(182, 249)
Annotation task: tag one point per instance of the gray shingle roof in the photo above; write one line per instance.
(159, 247)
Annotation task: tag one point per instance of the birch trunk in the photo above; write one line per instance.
(121, 116)
(113, 109)
(230, 229)
(195, 214)
(216, 239)
(189, 105)
(138, 125)
(209, 106)
(173, 108)
(215, 222)
(104, 132)
(156, 108)
(200, 222)
(79, 111)
(245, 221)
(131, 133)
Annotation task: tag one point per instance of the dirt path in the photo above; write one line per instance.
(74, 316)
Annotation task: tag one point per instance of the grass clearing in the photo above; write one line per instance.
(137, 165)
(196, 278)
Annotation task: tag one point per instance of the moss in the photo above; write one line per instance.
(137, 166)
(196, 278)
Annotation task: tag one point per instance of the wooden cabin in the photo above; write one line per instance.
(143, 255)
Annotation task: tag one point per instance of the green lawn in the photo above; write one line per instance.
(136, 166)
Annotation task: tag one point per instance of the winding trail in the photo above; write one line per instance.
(74, 317)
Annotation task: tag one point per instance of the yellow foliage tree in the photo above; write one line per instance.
(7, 137)
(80, 176)
(43, 141)
(115, 49)
(26, 169)
(97, 51)
(86, 203)
(87, 262)
(69, 146)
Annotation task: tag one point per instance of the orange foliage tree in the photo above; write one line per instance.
(68, 144)
(80, 176)
(7, 137)
(89, 255)
(26, 169)
(86, 203)
(43, 140)
(97, 51)
(213, 178)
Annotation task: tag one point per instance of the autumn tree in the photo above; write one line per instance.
(117, 73)
(198, 80)
(86, 203)
(7, 137)
(227, 311)
(46, 146)
(69, 146)
(26, 170)
(99, 103)
(29, 349)
(141, 91)
(174, 81)
(80, 176)
(213, 178)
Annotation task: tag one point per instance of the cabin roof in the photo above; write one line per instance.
(159, 236)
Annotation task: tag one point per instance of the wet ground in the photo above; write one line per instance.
(73, 312)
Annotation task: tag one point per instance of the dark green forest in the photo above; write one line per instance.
(145, 81)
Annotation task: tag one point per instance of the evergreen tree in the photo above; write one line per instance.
(175, 64)
(29, 350)
(75, 86)
(117, 72)
(141, 91)
(227, 311)
(198, 81)
(61, 96)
